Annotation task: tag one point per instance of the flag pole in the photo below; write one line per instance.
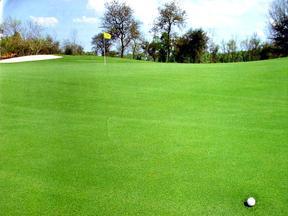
(108, 37)
(104, 52)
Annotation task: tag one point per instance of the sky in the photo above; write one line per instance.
(222, 19)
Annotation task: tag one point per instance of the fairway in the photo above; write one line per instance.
(136, 138)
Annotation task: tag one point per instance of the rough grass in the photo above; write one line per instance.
(81, 138)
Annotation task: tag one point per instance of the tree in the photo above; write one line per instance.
(181, 50)
(163, 47)
(136, 47)
(251, 47)
(119, 21)
(71, 48)
(267, 51)
(10, 27)
(153, 50)
(231, 50)
(213, 50)
(98, 44)
(278, 24)
(51, 46)
(192, 46)
(145, 46)
(136, 38)
(19, 39)
(32, 30)
(170, 15)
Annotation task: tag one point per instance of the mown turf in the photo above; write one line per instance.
(128, 138)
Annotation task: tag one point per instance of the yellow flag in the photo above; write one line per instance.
(107, 35)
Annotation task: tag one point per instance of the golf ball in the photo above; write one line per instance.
(251, 201)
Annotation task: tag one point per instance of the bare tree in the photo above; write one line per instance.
(170, 15)
(10, 27)
(32, 30)
(251, 48)
(223, 46)
(119, 21)
(252, 43)
(231, 49)
(32, 33)
(74, 36)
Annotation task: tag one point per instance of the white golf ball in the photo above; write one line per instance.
(251, 201)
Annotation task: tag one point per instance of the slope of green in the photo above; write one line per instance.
(81, 138)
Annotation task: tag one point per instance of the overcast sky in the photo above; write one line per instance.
(223, 19)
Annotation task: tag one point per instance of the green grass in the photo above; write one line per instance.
(130, 138)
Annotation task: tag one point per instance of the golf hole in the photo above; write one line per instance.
(246, 204)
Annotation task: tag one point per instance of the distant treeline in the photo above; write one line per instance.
(195, 46)
(20, 39)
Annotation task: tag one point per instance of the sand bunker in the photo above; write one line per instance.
(30, 58)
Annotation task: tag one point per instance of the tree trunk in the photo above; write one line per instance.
(134, 50)
(122, 52)
(122, 47)
(168, 48)
(168, 52)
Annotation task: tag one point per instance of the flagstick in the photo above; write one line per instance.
(104, 52)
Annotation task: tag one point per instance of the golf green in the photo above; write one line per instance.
(135, 138)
